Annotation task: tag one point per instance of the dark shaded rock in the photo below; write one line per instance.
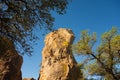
(28, 79)
(10, 61)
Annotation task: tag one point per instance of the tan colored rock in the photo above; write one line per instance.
(58, 62)
(10, 61)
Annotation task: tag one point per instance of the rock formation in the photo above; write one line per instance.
(28, 79)
(58, 62)
(10, 61)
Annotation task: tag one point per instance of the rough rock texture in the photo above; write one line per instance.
(28, 79)
(58, 62)
(10, 61)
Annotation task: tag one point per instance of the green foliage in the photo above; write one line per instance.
(107, 56)
(19, 17)
(85, 44)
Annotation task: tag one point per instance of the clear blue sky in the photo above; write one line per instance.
(94, 15)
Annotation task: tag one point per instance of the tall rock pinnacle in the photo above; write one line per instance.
(58, 63)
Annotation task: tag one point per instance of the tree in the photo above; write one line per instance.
(106, 59)
(19, 17)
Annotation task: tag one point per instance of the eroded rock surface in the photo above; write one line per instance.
(10, 61)
(58, 62)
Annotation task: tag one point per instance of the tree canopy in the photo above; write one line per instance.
(19, 17)
(105, 60)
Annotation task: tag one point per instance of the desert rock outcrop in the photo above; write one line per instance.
(58, 63)
(10, 61)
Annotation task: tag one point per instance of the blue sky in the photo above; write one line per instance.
(93, 15)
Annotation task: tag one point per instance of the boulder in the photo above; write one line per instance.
(58, 62)
(10, 61)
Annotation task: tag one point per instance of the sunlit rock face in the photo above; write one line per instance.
(58, 62)
(10, 61)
